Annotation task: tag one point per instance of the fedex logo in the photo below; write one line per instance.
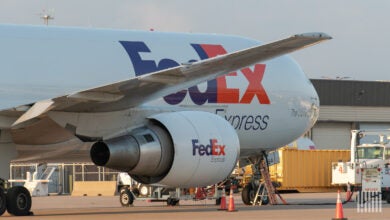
(217, 90)
(212, 149)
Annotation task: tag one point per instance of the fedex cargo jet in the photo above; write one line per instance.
(172, 109)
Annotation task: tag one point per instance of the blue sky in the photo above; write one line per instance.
(360, 28)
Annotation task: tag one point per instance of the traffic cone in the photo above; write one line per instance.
(339, 209)
(223, 201)
(231, 202)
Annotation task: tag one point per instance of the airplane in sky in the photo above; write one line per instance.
(173, 109)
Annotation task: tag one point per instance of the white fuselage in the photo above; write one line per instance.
(269, 104)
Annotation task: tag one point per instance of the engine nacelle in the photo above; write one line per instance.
(206, 148)
(178, 149)
(147, 152)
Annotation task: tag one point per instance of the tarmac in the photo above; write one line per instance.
(300, 206)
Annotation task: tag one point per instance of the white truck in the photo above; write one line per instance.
(365, 156)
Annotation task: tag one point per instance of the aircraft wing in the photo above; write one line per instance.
(144, 88)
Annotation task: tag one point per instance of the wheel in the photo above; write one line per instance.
(227, 191)
(18, 201)
(218, 201)
(3, 203)
(248, 195)
(172, 201)
(388, 197)
(169, 201)
(126, 198)
(123, 188)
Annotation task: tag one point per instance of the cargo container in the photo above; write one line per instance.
(306, 170)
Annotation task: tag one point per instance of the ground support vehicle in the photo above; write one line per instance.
(363, 157)
(129, 190)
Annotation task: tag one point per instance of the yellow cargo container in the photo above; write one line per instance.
(306, 170)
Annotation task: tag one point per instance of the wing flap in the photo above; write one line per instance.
(97, 96)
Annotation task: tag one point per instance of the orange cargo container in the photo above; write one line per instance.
(306, 170)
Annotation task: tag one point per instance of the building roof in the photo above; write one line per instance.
(352, 93)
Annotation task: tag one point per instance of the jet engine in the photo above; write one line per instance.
(178, 149)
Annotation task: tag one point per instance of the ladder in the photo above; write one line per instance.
(266, 186)
(268, 183)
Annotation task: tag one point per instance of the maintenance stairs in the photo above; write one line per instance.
(266, 188)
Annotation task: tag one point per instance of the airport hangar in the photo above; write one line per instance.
(347, 105)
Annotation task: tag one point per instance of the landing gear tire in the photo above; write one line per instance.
(248, 195)
(3, 203)
(126, 198)
(18, 201)
(123, 188)
(218, 201)
(388, 198)
(172, 202)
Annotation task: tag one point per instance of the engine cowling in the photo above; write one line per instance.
(178, 149)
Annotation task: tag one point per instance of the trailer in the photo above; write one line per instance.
(365, 157)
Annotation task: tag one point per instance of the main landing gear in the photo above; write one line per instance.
(258, 192)
(16, 200)
(249, 192)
